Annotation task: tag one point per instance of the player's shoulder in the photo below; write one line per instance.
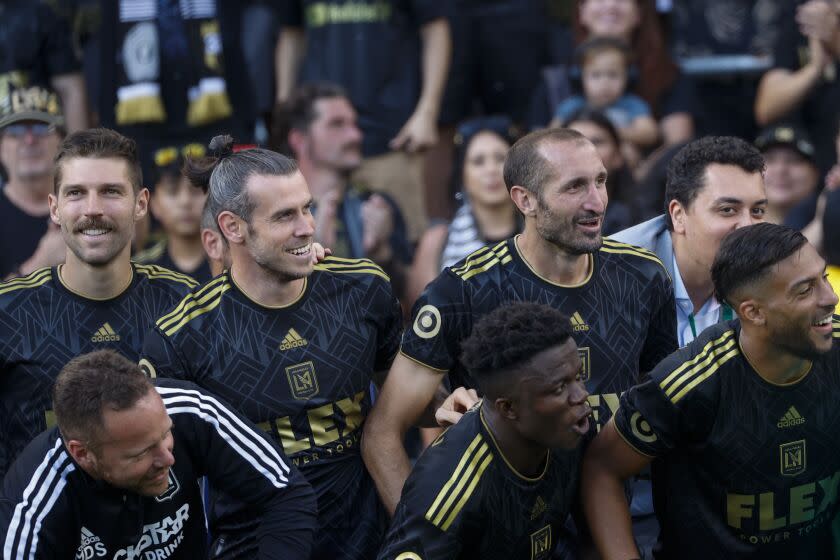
(24, 285)
(621, 254)
(698, 368)
(42, 469)
(489, 263)
(351, 270)
(195, 307)
(161, 277)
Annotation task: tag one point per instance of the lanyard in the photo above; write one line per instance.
(726, 314)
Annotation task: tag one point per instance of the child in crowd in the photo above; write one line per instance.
(604, 74)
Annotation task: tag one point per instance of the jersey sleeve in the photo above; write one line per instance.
(388, 317)
(178, 358)
(440, 320)
(661, 339)
(243, 462)
(437, 505)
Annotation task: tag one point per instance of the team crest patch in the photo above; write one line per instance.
(171, 490)
(427, 323)
(585, 361)
(541, 544)
(792, 457)
(302, 380)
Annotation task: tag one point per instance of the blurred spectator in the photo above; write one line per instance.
(31, 129)
(317, 126)
(490, 75)
(172, 72)
(486, 215)
(719, 28)
(177, 206)
(621, 213)
(37, 51)
(804, 84)
(660, 83)
(214, 243)
(831, 238)
(791, 178)
(605, 69)
(392, 58)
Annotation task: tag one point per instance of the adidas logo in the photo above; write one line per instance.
(538, 509)
(292, 340)
(578, 324)
(105, 334)
(790, 419)
(91, 546)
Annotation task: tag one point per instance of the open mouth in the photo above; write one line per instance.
(581, 427)
(95, 231)
(823, 324)
(591, 224)
(303, 251)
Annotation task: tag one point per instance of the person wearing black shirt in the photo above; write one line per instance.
(742, 424)
(500, 484)
(97, 298)
(118, 476)
(619, 297)
(292, 348)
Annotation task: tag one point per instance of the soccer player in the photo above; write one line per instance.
(118, 476)
(619, 297)
(500, 483)
(742, 422)
(96, 299)
(292, 348)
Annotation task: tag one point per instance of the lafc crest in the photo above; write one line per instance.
(302, 380)
(792, 457)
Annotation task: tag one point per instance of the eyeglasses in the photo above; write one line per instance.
(38, 130)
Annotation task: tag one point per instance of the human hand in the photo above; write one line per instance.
(418, 133)
(818, 19)
(319, 252)
(326, 214)
(378, 223)
(832, 178)
(455, 405)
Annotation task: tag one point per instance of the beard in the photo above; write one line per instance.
(791, 338)
(563, 234)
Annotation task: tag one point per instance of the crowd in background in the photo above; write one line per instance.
(401, 113)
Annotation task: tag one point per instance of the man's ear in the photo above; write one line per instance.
(752, 311)
(525, 200)
(81, 453)
(231, 226)
(504, 406)
(297, 140)
(677, 212)
(54, 215)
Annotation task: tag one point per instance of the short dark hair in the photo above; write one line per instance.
(525, 166)
(597, 45)
(298, 112)
(686, 172)
(746, 255)
(89, 384)
(100, 143)
(510, 336)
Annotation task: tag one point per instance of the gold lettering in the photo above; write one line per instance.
(738, 507)
(767, 520)
(291, 444)
(802, 503)
(322, 425)
(352, 409)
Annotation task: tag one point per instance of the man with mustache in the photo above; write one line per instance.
(318, 126)
(97, 299)
(619, 297)
(119, 475)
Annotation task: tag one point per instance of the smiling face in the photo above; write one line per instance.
(279, 234)
(483, 165)
(96, 207)
(610, 18)
(334, 140)
(790, 177)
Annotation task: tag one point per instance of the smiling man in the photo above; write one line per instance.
(500, 484)
(118, 477)
(97, 299)
(742, 422)
(290, 345)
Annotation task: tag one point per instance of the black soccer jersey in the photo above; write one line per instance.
(463, 499)
(51, 509)
(303, 373)
(623, 315)
(745, 468)
(43, 325)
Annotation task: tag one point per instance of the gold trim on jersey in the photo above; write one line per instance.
(418, 362)
(627, 440)
(31, 280)
(193, 305)
(341, 265)
(619, 248)
(81, 295)
(156, 271)
(483, 260)
(835, 327)
(152, 253)
(264, 306)
(459, 488)
(803, 372)
(590, 264)
(692, 372)
(505, 459)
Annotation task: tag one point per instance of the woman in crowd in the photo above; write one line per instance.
(486, 214)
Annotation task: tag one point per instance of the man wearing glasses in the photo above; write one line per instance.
(31, 129)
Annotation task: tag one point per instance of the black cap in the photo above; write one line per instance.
(29, 104)
(787, 135)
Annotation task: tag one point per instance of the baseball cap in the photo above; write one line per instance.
(787, 135)
(33, 103)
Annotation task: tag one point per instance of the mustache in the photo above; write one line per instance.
(93, 223)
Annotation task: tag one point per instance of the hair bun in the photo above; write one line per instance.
(221, 146)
